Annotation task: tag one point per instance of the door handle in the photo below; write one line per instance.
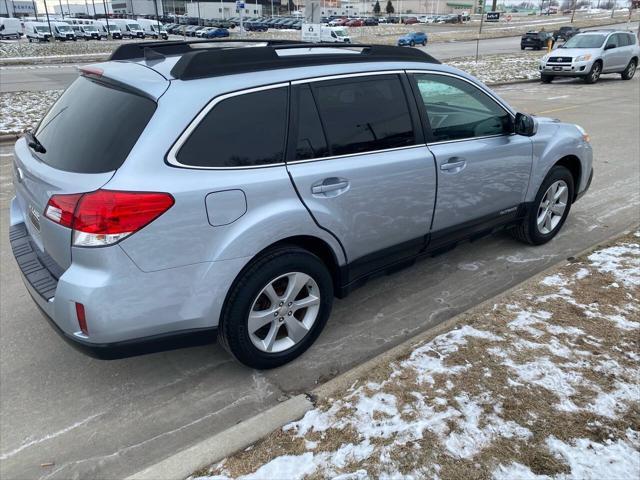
(454, 165)
(329, 185)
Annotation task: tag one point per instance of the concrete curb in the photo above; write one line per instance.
(248, 432)
(221, 445)
(9, 137)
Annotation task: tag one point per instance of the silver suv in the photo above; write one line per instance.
(588, 55)
(236, 188)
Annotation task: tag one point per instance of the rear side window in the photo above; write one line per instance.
(364, 114)
(243, 131)
(93, 127)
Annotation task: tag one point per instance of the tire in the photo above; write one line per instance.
(412, 43)
(275, 268)
(628, 72)
(594, 73)
(546, 78)
(529, 230)
(424, 44)
(522, 48)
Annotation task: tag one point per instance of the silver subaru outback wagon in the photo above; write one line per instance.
(234, 189)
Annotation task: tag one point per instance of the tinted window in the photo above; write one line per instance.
(364, 114)
(622, 39)
(457, 109)
(92, 127)
(311, 142)
(613, 40)
(242, 131)
(631, 38)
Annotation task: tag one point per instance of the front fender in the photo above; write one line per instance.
(554, 141)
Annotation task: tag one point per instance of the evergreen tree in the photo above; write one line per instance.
(389, 8)
(376, 8)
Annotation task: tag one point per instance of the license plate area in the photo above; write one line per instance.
(557, 69)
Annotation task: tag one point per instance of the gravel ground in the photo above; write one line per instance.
(21, 110)
(544, 384)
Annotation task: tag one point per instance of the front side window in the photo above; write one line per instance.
(458, 110)
(613, 41)
(246, 130)
(364, 114)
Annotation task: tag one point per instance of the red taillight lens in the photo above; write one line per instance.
(61, 207)
(104, 217)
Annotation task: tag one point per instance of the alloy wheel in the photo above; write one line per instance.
(552, 207)
(284, 312)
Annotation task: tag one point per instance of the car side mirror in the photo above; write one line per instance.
(525, 125)
(610, 46)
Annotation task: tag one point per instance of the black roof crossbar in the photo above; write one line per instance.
(210, 62)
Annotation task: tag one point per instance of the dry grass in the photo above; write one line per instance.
(489, 381)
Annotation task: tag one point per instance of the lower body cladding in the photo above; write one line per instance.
(128, 311)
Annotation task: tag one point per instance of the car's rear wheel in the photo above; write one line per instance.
(546, 78)
(628, 72)
(549, 210)
(594, 73)
(412, 43)
(277, 308)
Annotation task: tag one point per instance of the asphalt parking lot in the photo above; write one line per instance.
(65, 415)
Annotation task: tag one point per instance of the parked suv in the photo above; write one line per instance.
(588, 55)
(284, 178)
(565, 33)
(536, 40)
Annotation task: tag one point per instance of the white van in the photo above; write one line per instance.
(10, 28)
(37, 31)
(129, 28)
(87, 32)
(334, 35)
(115, 31)
(62, 31)
(151, 28)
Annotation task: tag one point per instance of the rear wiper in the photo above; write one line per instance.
(34, 143)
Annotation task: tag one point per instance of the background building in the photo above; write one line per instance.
(17, 8)
(83, 8)
(215, 9)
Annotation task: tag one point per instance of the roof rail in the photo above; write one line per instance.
(135, 50)
(201, 63)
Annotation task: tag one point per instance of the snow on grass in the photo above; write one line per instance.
(501, 68)
(517, 392)
(22, 110)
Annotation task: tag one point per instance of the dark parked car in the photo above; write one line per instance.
(410, 20)
(256, 26)
(217, 33)
(536, 40)
(565, 33)
(371, 22)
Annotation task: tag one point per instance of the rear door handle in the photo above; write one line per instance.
(329, 185)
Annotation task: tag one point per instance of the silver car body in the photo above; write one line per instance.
(576, 62)
(174, 275)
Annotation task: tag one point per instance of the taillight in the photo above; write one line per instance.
(105, 217)
(61, 207)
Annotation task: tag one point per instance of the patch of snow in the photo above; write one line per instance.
(610, 260)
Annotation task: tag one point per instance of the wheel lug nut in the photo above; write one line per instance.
(281, 303)
(290, 303)
(275, 314)
(290, 313)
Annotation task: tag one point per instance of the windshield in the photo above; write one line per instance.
(63, 28)
(134, 26)
(43, 29)
(88, 28)
(585, 41)
(96, 139)
(340, 33)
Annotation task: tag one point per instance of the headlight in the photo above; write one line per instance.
(583, 58)
(585, 135)
(545, 58)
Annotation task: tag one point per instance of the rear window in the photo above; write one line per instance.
(92, 127)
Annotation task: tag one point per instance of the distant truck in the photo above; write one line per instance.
(565, 33)
(10, 28)
(151, 28)
(62, 31)
(37, 31)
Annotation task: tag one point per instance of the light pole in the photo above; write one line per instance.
(61, 9)
(46, 11)
(94, 10)
(35, 9)
(106, 17)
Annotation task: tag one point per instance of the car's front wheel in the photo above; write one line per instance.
(549, 210)
(277, 308)
(594, 73)
(628, 72)
(546, 78)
